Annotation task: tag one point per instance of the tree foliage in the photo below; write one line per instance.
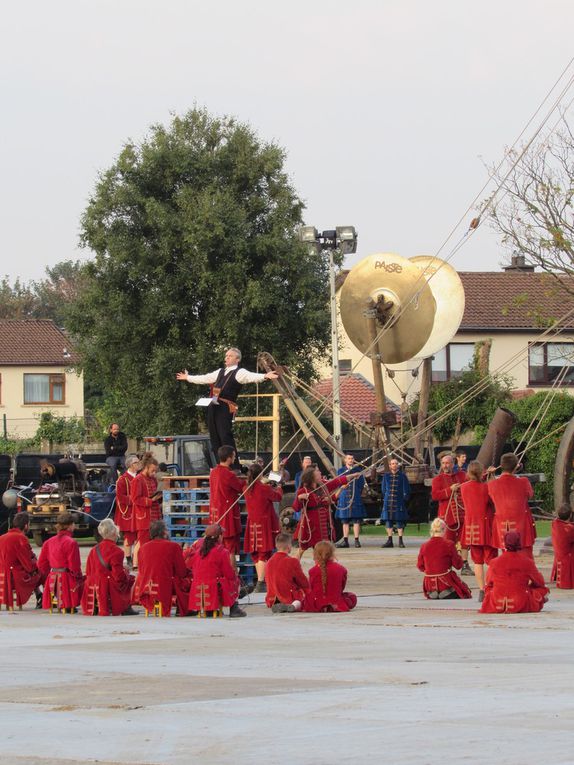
(194, 235)
(534, 214)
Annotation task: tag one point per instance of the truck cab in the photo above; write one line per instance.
(183, 455)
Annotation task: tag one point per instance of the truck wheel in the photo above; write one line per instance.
(97, 536)
(39, 537)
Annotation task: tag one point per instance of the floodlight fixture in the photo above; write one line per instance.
(347, 239)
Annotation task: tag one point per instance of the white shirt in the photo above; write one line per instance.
(242, 377)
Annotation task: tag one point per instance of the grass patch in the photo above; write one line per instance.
(413, 530)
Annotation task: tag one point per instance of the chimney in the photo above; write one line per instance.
(518, 263)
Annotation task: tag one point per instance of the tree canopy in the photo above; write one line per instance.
(195, 249)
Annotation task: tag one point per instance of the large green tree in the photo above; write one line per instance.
(194, 236)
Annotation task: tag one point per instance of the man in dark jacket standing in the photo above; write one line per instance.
(116, 446)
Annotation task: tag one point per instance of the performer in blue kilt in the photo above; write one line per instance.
(350, 508)
(396, 490)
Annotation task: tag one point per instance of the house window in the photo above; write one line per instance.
(547, 360)
(44, 389)
(345, 366)
(450, 362)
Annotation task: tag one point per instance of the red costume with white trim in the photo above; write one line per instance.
(450, 505)
(437, 557)
(262, 521)
(510, 494)
(315, 524)
(162, 574)
(60, 564)
(333, 597)
(145, 509)
(285, 579)
(124, 516)
(214, 581)
(513, 585)
(225, 489)
(108, 585)
(18, 568)
(563, 543)
(478, 519)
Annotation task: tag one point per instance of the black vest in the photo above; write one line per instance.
(229, 387)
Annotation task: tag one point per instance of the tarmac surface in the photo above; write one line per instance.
(398, 680)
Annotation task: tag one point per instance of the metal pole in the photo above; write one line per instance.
(335, 375)
(276, 431)
(423, 407)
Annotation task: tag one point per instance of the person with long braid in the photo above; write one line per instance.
(327, 579)
(145, 498)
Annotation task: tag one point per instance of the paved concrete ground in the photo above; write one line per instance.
(399, 680)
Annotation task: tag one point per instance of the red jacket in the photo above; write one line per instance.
(162, 573)
(513, 585)
(333, 598)
(510, 494)
(107, 584)
(60, 565)
(563, 543)
(450, 506)
(124, 517)
(315, 522)
(224, 491)
(478, 514)
(18, 568)
(262, 522)
(437, 557)
(145, 510)
(285, 579)
(214, 581)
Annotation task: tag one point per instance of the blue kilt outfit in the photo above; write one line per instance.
(350, 508)
(396, 490)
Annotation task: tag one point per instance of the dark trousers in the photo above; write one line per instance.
(220, 424)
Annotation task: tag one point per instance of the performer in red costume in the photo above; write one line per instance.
(563, 543)
(124, 516)
(225, 488)
(313, 500)
(510, 494)
(215, 583)
(19, 572)
(446, 491)
(478, 518)
(60, 565)
(513, 583)
(328, 579)
(108, 586)
(287, 585)
(262, 522)
(162, 573)
(145, 498)
(437, 557)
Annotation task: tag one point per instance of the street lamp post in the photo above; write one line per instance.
(343, 239)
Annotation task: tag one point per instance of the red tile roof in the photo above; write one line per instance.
(510, 300)
(357, 396)
(28, 342)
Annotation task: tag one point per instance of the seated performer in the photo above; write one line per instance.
(396, 490)
(108, 586)
(19, 572)
(145, 498)
(350, 507)
(563, 543)
(225, 488)
(478, 518)
(262, 521)
(162, 573)
(60, 565)
(513, 583)
(328, 579)
(314, 499)
(510, 494)
(437, 557)
(446, 491)
(124, 516)
(215, 583)
(287, 585)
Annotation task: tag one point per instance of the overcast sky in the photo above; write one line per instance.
(384, 107)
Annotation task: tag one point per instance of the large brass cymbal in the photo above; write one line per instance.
(403, 301)
(448, 292)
